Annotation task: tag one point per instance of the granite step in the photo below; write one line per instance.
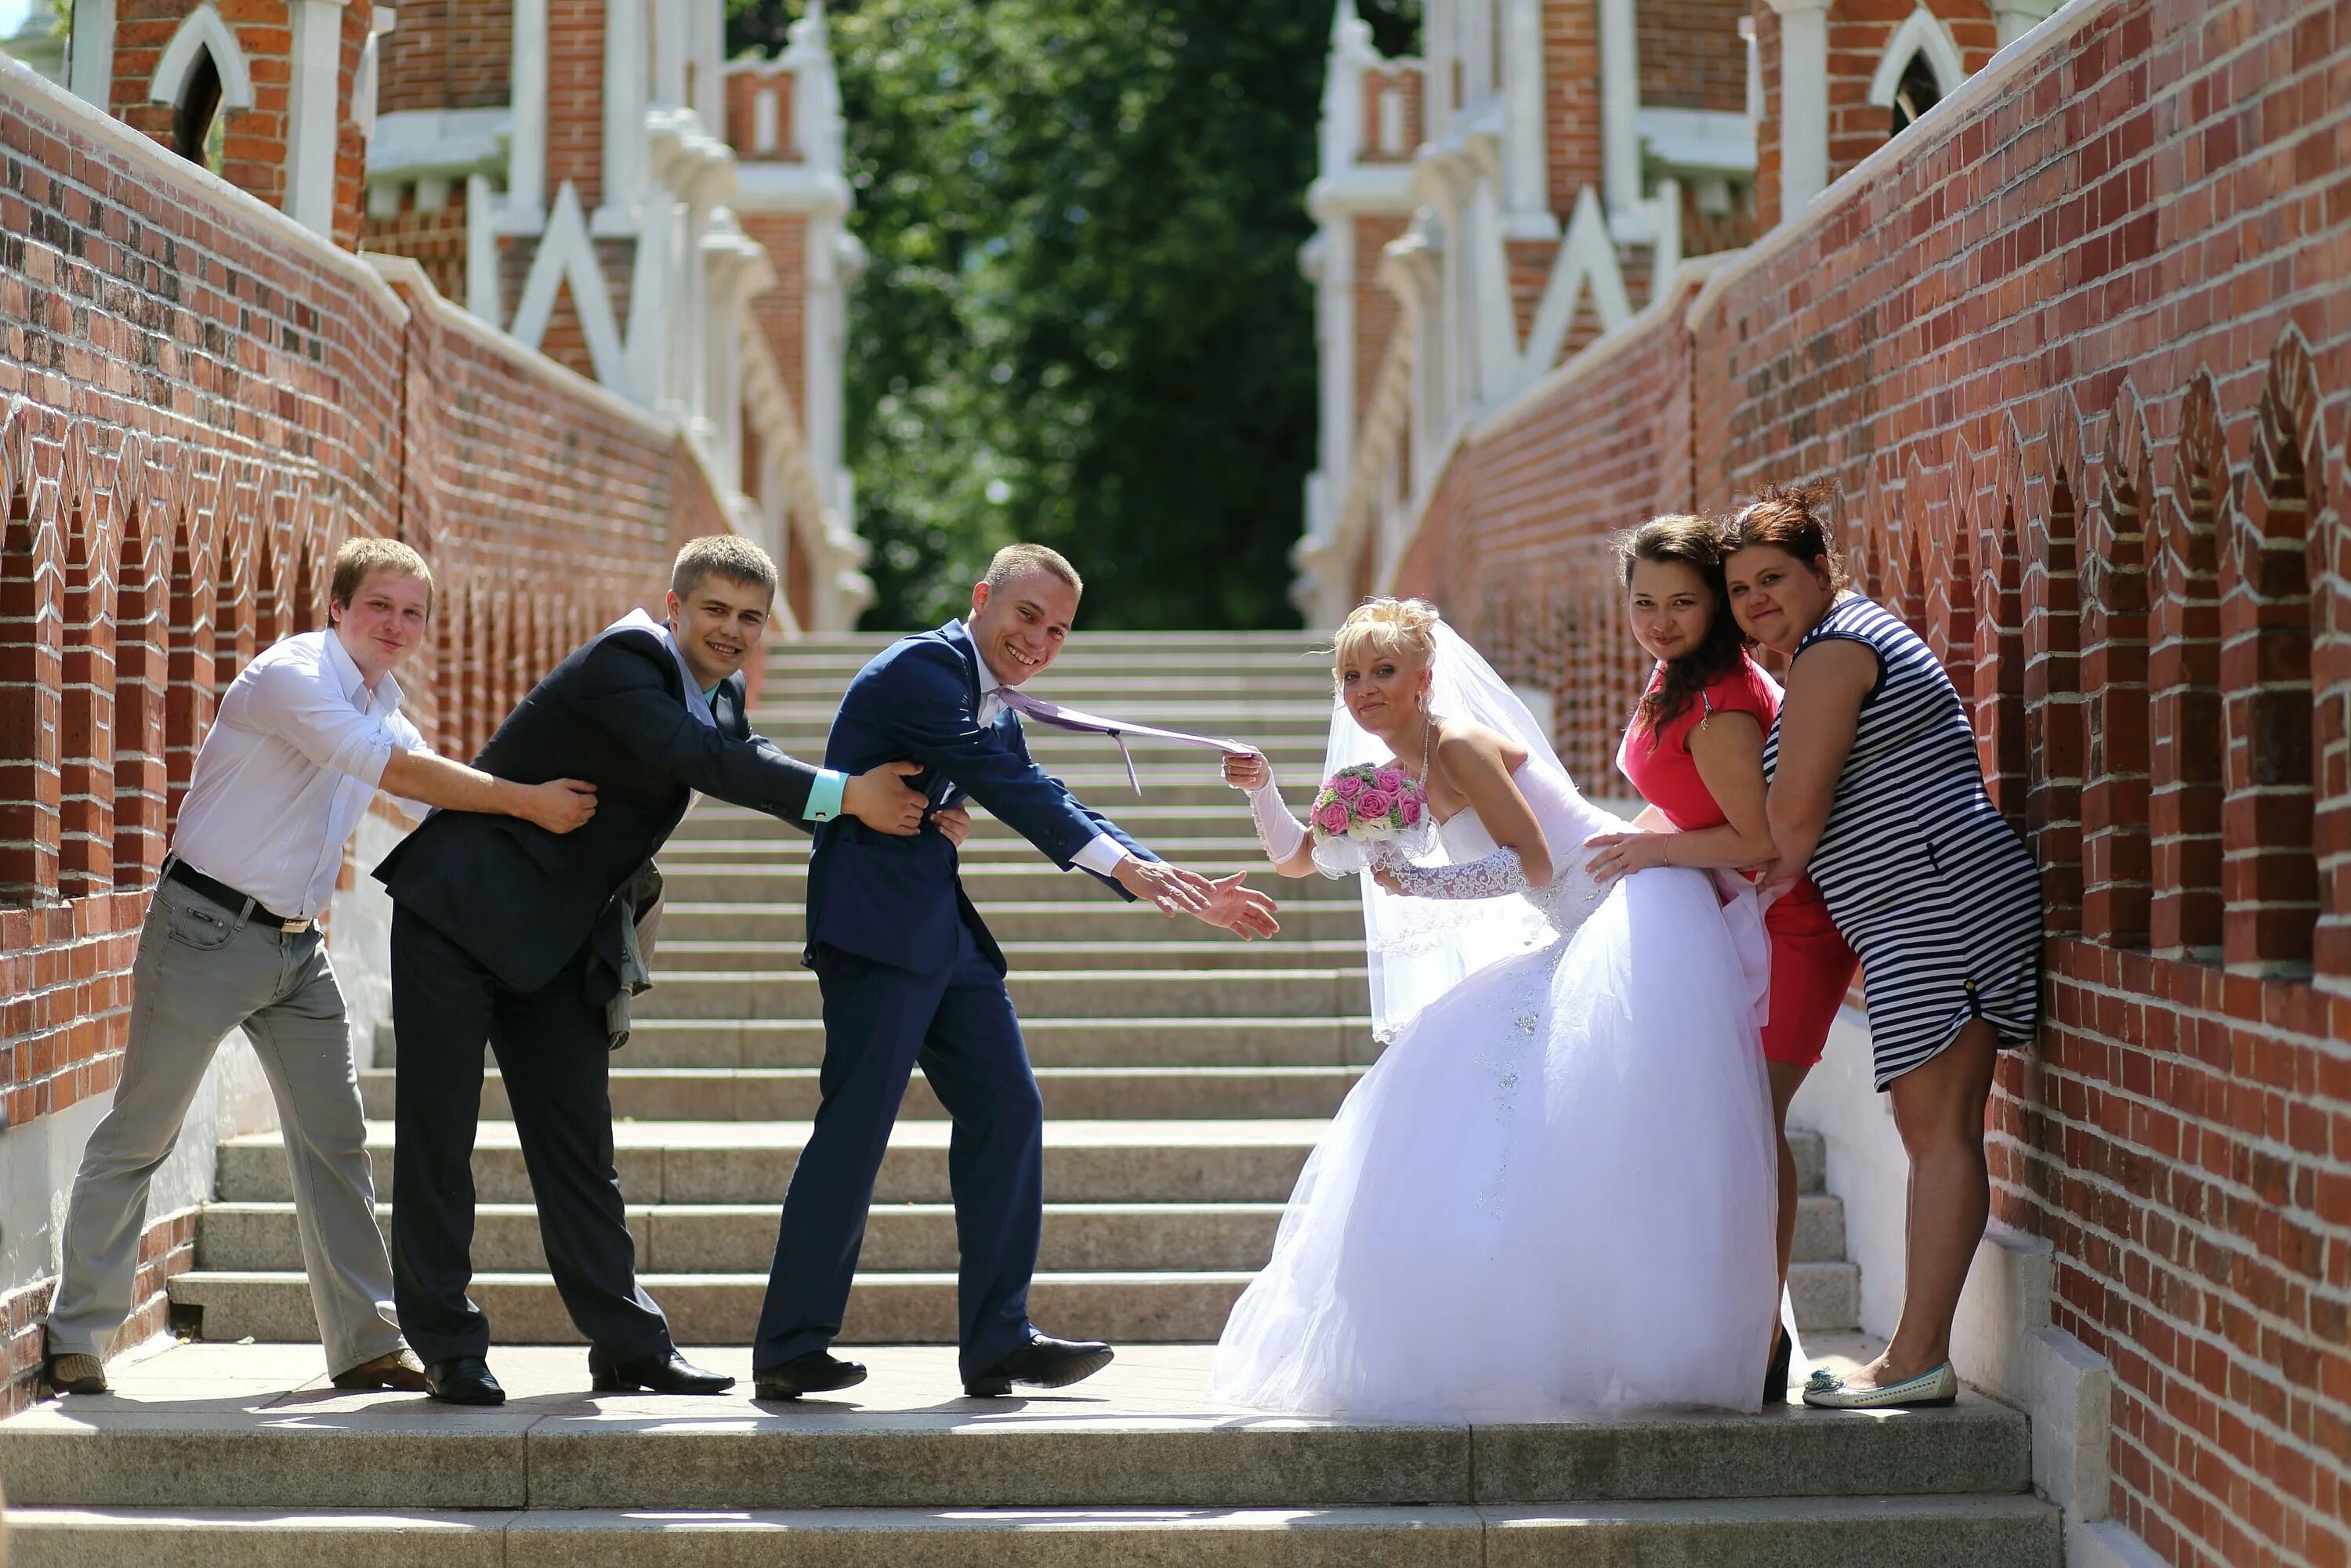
(740, 1238)
(1088, 918)
(1096, 994)
(1167, 1306)
(1228, 849)
(791, 1093)
(1151, 822)
(751, 1162)
(772, 880)
(915, 1238)
(1138, 1307)
(1951, 1531)
(676, 954)
(1143, 1042)
(181, 1432)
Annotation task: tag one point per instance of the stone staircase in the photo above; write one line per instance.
(1185, 1076)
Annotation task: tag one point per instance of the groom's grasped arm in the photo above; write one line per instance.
(623, 691)
(929, 718)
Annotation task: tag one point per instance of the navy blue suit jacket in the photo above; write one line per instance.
(896, 901)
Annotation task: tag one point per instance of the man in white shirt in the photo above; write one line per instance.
(305, 736)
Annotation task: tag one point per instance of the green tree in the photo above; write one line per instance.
(1083, 320)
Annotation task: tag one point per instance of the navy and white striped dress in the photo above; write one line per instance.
(1921, 873)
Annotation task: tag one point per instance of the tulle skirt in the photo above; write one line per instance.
(1554, 1193)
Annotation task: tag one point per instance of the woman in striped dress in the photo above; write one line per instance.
(1877, 795)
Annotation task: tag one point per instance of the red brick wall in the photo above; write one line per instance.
(434, 238)
(782, 310)
(575, 98)
(196, 406)
(1376, 310)
(2077, 366)
(1692, 56)
(446, 54)
(1570, 98)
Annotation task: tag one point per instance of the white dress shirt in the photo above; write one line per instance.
(286, 772)
(1102, 852)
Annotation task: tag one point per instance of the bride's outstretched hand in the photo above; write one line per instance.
(1247, 769)
(1239, 908)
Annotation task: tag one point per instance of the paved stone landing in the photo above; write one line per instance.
(244, 1454)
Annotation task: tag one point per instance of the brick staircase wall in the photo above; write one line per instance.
(2074, 350)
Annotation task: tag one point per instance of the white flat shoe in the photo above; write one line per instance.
(1927, 1390)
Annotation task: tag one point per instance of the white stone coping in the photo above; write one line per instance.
(763, 186)
(151, 157)
(1702, 141)
(411, 143)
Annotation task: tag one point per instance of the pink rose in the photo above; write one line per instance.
(1346, 786)
(1332, 817)
(1410, 809)
(1390, 780)
(1373, 804)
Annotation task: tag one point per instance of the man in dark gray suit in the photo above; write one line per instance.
(517, 937)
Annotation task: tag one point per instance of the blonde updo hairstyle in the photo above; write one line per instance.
(1402, 629)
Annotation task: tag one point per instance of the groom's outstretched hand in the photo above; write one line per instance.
(879, 799)
(1239, 908)
(1175, 890)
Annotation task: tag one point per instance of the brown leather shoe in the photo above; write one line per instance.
(400, 1369)
(76, 1373)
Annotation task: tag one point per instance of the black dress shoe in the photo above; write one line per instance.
(462, 1380)
(818, 1372)
(662, 1372)
(1043, 1363)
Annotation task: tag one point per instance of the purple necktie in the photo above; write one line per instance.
(1118, 729)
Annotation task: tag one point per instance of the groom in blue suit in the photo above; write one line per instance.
(909, 973)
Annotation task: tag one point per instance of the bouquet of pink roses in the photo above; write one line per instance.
(1364, 815)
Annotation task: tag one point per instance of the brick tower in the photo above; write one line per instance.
(1489, 212)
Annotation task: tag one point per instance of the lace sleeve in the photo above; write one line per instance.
(1498, 875)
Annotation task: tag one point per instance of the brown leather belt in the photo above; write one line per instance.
(227, 897)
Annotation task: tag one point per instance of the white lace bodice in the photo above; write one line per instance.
(1566, 819)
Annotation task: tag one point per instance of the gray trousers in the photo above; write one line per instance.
(202, 971)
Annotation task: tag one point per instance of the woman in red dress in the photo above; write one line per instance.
(1695, 751)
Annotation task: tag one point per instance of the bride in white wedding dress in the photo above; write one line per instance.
(1554, 1191)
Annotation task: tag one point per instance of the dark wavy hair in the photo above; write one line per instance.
(1792, 518)
(1695, 543)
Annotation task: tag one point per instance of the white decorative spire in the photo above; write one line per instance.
(1343, 88)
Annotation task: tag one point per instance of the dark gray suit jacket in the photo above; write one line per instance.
(522, 899)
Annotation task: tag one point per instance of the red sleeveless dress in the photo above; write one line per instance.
(1812, 967)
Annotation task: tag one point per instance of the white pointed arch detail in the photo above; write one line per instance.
(1922, 33)
(566, 255)
(1584, 264)
(204, 33)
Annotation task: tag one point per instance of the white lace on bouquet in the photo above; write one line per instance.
(1418, 948)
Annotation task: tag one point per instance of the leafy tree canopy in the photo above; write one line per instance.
(1083, 320)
